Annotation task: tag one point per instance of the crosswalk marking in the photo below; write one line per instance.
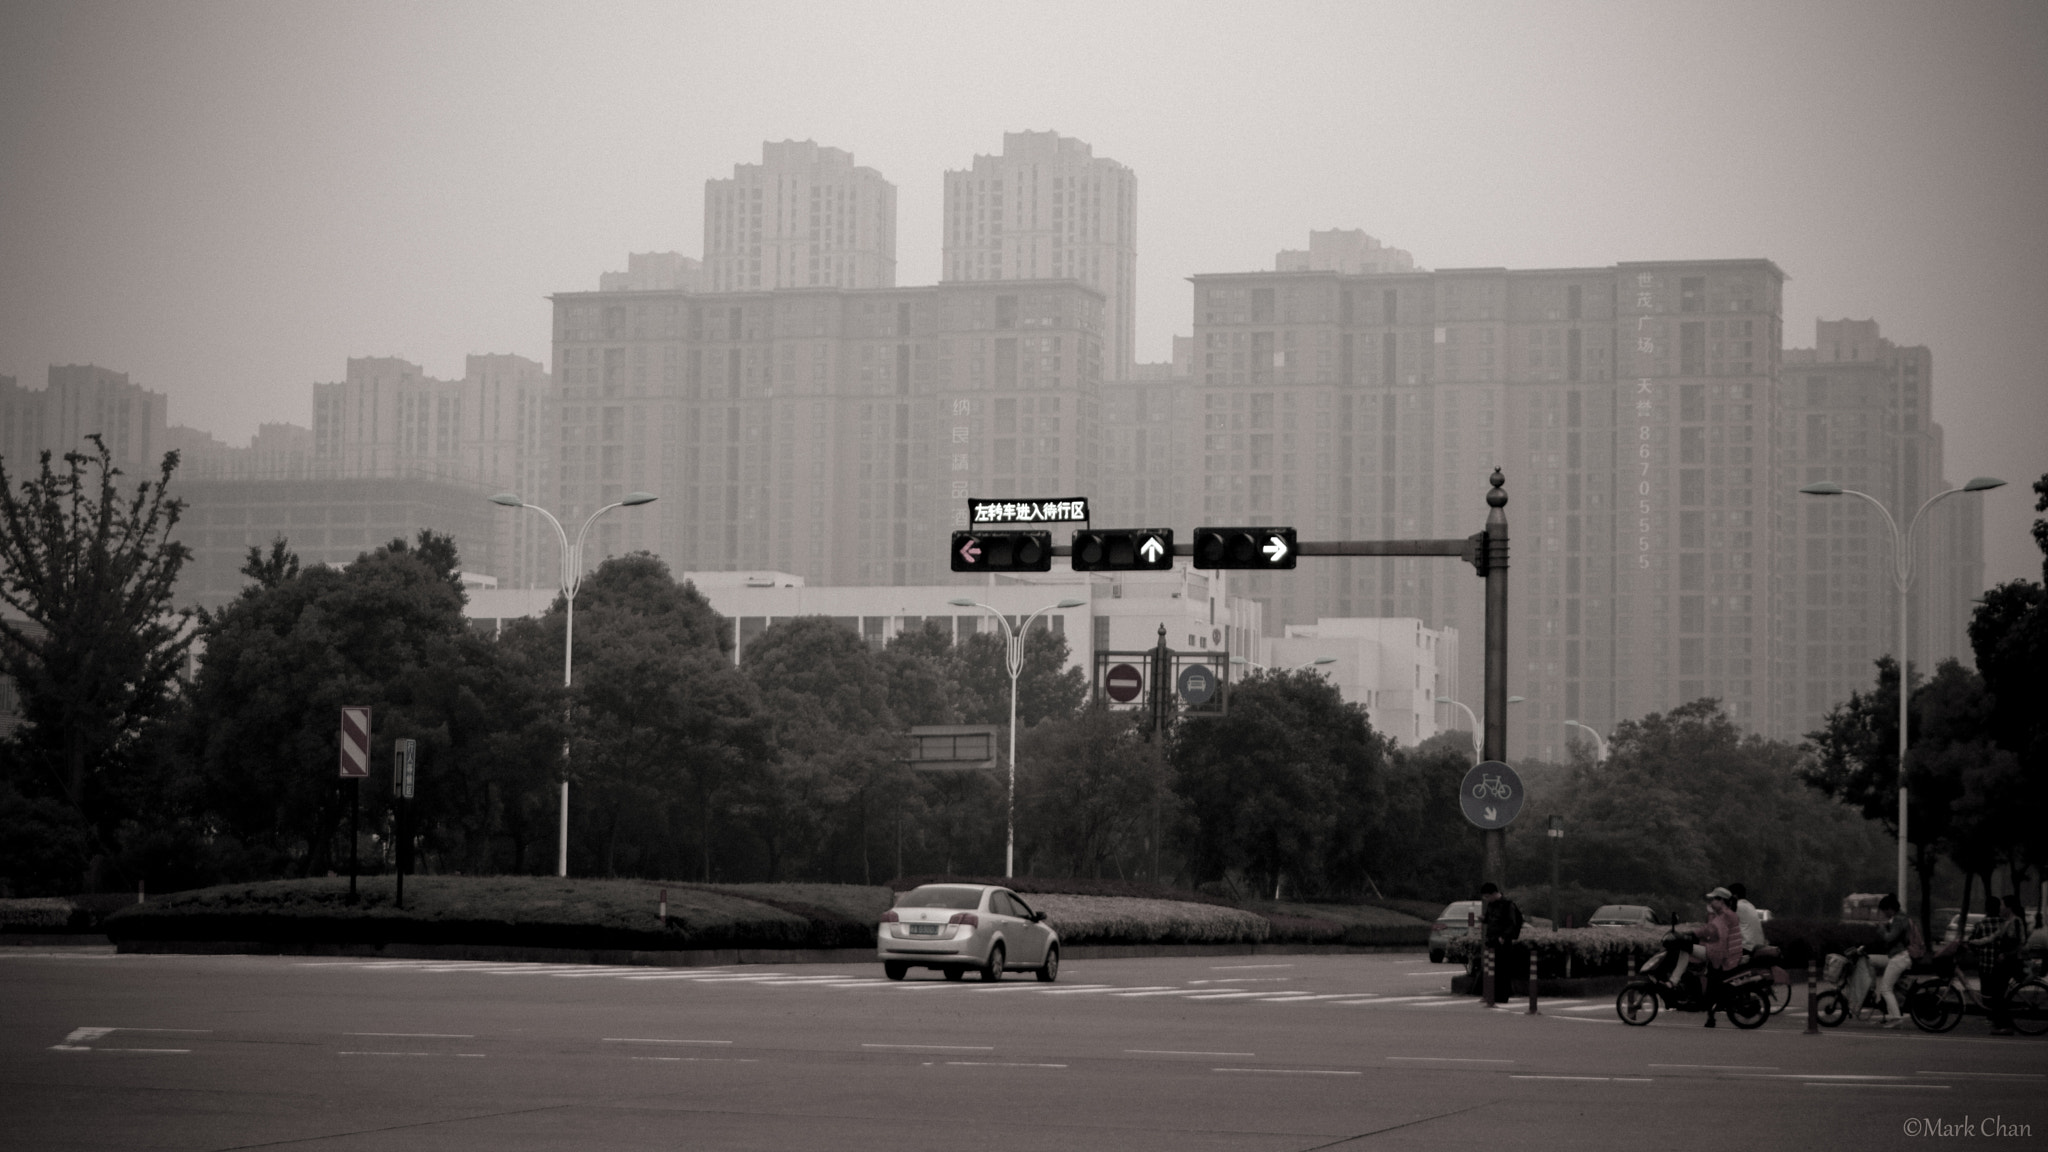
(742, 976)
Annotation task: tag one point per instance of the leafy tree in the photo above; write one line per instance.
(665, 724)
(94, 658)
(827, 698)
(1284, 787)
(2009, 636)
(281, 661)
(1046, 687)
(1427, 849)
(1092, 793)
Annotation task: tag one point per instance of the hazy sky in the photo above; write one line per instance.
(228, 200)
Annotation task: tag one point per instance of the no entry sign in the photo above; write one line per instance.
(1123, 683)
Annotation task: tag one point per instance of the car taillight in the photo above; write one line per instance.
(889, 917)
(967, 918)
(1439, 926)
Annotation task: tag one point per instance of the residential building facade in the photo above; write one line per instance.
(804, 217)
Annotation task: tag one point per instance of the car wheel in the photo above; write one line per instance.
(1636, 1005)
(895, 969)
(993, 970)
(1436, 957)
(1050, 970)
(955, 973)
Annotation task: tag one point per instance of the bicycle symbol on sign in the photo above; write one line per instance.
(1492, 784)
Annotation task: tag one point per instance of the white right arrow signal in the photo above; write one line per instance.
(1151, 549)
(969, 552)
(1276, 548)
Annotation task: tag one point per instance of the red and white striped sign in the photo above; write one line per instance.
(355, 743)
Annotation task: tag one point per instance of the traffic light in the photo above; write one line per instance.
(1267, 548)
(1137, 550)
(1002, 551)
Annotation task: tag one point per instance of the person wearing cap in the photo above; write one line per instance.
(1719, 948)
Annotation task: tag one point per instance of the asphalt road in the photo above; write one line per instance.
(1293, 1052)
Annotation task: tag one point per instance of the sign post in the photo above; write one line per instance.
(404, 754)
(355, 764)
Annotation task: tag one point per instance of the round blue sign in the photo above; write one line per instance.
(1198, 684)
(1491, 795)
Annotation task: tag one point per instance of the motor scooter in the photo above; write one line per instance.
(1744, 992)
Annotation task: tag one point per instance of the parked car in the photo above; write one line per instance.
(1622, 916)
(1451, 924)
(1955, 915)
(955, 928)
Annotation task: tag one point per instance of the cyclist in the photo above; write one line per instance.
(1900, 939)
(2002, 943)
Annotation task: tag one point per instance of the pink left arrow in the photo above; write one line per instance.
(969, 551)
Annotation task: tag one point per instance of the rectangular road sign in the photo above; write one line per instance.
(935, 747)
(1071, 510)
(355, 742)
(404, 755)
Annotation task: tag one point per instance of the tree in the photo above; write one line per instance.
(97, 652)
(1092, 793)
(2009, 637)
(835, 736)
(1284, 787)
(1046, 687)
(281, 661)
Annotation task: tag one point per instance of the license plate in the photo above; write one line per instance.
(924, 929)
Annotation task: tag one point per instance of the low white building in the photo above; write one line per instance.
(1394, 666)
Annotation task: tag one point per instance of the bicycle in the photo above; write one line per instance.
(1493, 784)
(1940, 1007)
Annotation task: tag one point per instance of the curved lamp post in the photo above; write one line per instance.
(1013, 657)
(572, 580)
(1599, 741)
(1902, 579)
(1474, 720)
(1296, 668)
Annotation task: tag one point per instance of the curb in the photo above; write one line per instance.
(52, 939)
(1575, 986)
(694, 957)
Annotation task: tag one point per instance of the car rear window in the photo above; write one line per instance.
(941, 896)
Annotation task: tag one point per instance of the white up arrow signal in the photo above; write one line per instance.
(1151, 549)
(1276, 549)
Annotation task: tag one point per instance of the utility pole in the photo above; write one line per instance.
(1496, 702)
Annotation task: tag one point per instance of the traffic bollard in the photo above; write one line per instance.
(1486, 979)
(1532, 983)
(1812, 997)
(664, 907)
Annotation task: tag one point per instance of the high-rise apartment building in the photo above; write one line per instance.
(804, 217)
(1631, 407)
(1858, 411)
(655, 272)
(1049, 209)
(834, 434)
(1351, 252)
(82, 400)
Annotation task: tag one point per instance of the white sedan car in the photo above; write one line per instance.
(956, 927)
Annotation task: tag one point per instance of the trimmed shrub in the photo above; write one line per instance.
(1078, 886)
(37, 914)
(1135, 920)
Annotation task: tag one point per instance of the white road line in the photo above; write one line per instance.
(151, 1051)
(934, 1047)
(1452, 1059)
(1235, 967)
(1292, 1071)
(1399, 999)
(1165, 992)
(418, 1035)
(1597, 1079)
(1206, 995)
(1441, 1003)
(652, 1040)
(1299, 997)
(1990, 1075)
(1732, 1067)
(1174, 1052)
(1836, 1084)
(389, 1053)
(78, 1034)
(181, 1031)
(998, 1064)
(699, 1059)
(1583, 1020)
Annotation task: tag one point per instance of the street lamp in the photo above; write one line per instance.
(1013, 656)
(572, 580)
(1902, 579)
(1472, 718)
(1599, 742)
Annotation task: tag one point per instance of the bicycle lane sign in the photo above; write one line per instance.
(1491, 795)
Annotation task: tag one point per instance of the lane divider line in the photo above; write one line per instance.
(934, 1047)
(998, 1064)
(1292, 1071)
(1175, 1052)
(651, 1040)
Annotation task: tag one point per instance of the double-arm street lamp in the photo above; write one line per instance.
(572, 580)
(1013, 655)
(1902, 579)
(1296, 668)
(1472, 718)
(1599, 741)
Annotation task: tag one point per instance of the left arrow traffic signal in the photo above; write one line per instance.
(1138, 550)
(1002, 551)
(1244, 548)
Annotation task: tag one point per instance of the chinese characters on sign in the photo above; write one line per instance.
(1072, 511)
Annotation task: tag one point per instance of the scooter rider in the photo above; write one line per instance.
(1899, 939)
(1720, 947)
(1751, 923)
